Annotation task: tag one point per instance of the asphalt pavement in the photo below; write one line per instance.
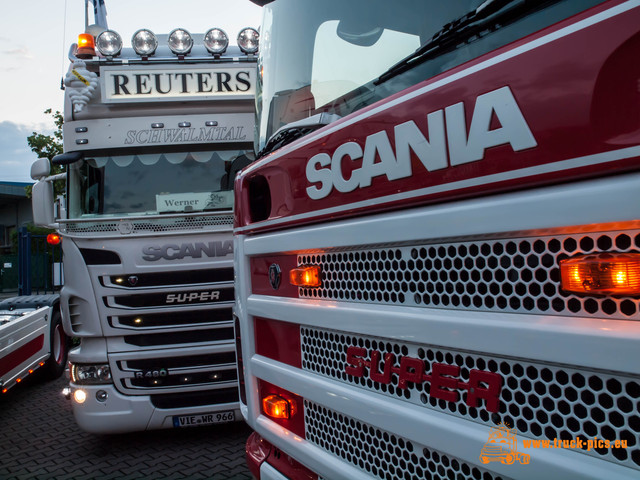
(39, 439)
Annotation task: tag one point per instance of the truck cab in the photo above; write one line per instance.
(154, 134)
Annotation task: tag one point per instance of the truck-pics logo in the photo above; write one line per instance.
(444, 378)
(151, 253)
(502, 447)
(445, 129)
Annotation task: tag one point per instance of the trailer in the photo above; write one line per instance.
(31, 339)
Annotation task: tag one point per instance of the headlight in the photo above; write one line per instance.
(180, 41)
(90, 374)
(248, 40)
(144, 42)
(216, 41)
(109, 43)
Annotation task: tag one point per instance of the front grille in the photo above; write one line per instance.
(172, 319)
(541, 401)
(135, 226)
(162, 299)
(518, 275)
(380, 453)
(207, 360)
(195, 399)
(178, 338)
(187, 277)
(190, 369)
(182, 379)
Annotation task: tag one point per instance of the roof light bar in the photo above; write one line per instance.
(144, 42)
(216, 41)
(180, 41)
(109, 43)
(248, 40)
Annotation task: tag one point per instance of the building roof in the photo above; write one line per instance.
(14, 189)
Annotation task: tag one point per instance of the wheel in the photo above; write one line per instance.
(57, 362)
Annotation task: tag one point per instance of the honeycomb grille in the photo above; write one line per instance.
(380, 453)
(506, 275)
(148, 225)
(541, 401)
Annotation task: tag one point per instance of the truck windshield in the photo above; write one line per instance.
(154, 183)
(328, 56)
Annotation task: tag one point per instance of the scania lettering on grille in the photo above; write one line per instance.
(444, 144)
(193, 250)
(444, 378)
(193, 297)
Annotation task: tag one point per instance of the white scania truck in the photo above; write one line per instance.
(153, 137)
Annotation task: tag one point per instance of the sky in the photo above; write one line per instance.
(35, 37)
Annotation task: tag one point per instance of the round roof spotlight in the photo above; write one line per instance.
(180, 41)
(144, 42)
(109, 43)
(216, 41)
(248, 40)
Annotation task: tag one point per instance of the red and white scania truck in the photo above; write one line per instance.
(442, 235)
(153, 136)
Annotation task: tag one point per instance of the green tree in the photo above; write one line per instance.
(48, 146)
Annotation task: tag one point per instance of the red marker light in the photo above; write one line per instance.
(53, 239)
(602, 274)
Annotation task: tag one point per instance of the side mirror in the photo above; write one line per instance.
(42, 203)
(40, 169)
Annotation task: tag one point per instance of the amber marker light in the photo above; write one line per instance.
(53, 239)
(305, 276)
(276, 406)
(602, 274)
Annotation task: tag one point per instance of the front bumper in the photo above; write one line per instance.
(120, 413)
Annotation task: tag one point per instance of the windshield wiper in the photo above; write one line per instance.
(489, 14)
(294, 130)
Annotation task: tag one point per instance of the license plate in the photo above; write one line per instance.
(202, 419)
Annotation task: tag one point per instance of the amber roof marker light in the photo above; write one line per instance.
(602, 274)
